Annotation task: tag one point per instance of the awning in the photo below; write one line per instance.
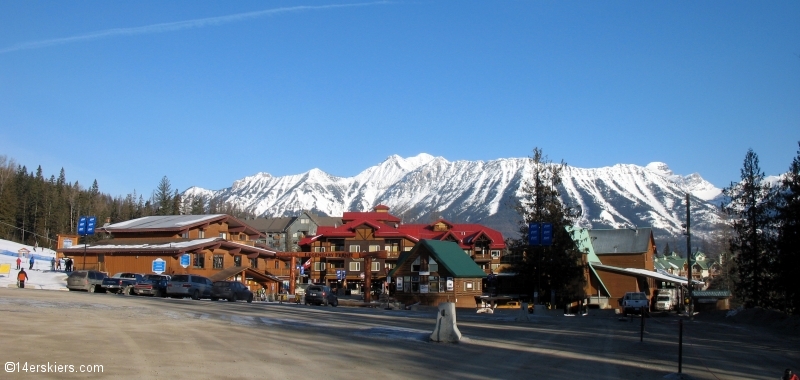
(637, 272)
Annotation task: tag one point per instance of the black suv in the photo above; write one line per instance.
(231, 291)
(321, 295)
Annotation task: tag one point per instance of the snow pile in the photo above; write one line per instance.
(41, 277)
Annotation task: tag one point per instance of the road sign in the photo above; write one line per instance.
(547, 233)
(159, 266)
(86, 225)
(533, 233)
(186, 259)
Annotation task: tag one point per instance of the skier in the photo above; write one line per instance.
(19, 262)
(31, 261)
(21, 278)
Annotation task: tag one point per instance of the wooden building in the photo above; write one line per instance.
(608, 252)
(435, 271)
(218, 246)
(329, 261)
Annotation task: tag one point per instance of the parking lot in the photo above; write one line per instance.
(143, 337)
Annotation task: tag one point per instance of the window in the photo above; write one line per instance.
(199, 260)
(495, 267)
(355, 266)
(374, 248)
(223, 235)
(415, 265)
(468, 285)
(319, 249)
(390, 266)
(442, 284)
(185, 234)
(355, 248)
(407, 284)
(242, 237)
(319, 266)
(376, 266)
(254, 262)
(303, 221)
(414, 284)
(237, 261)
(277, 264)
(218, 261)
(201, 234)
(495, 253)
(433, 266)
(433, 284)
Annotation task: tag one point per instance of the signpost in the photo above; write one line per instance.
(159, 266)
(186, 259)
(540, 234)
(86, 227)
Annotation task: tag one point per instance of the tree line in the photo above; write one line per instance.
(34, 209)
(765, 239)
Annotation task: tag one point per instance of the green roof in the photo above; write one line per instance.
(447, 254)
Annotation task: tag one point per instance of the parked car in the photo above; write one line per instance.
(121, 283)
(231, 291)
(321, 295)
(88, 280)
(189, 285)
(634, 303)
(152, 285)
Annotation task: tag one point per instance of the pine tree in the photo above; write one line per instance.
(788, 258)
(162, 200)
(751, 206)
(558, 267)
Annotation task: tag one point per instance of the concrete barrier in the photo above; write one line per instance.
(446, 329)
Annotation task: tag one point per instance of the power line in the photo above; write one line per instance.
(29, 232)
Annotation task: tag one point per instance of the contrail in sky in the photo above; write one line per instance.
(174, 26)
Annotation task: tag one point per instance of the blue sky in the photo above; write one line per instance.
(208, 92)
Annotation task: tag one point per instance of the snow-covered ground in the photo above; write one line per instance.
(41, 277)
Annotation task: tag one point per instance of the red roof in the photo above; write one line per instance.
(388, 226)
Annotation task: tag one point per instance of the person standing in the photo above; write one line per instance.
(31, 261)
(53, 264)
(21, 278)
(19, 262)
(58, 264)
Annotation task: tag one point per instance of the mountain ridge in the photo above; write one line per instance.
(423, 187)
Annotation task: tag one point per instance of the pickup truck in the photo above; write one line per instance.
(121, 283)
(152, 285)
(634, 303)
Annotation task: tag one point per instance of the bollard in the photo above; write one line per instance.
(446, 329)
(523, 313)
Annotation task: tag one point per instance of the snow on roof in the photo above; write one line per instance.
(180, 244)
(161, 222)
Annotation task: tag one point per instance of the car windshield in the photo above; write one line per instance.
(221, 284)
(180, 278)
(155, 277)
(638, 296)
(663, 298)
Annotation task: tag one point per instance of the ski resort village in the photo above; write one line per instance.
(371, 190)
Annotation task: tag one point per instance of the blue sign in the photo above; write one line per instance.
(159, 266)
(340, 274)
(547, 233)
(186, 259)
(86, 225)
(533, 234)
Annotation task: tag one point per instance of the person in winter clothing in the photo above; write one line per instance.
(31, 261)
(22, 277)
(53, 264)
(19, 262)
(788, 375)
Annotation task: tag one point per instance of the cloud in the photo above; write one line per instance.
(176, 26)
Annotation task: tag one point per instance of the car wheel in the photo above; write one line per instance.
(91, 289)
(232, 298)
(250, 299)
(325, 302)
(158, 293)
(335, 303)
(196, 295)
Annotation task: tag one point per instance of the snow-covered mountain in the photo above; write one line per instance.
(423, 187)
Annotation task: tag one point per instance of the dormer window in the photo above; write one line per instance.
(223, 235)
(201, 234)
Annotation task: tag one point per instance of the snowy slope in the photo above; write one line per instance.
(40, 277)
(420, 187)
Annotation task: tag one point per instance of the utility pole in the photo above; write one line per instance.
(689, 257)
